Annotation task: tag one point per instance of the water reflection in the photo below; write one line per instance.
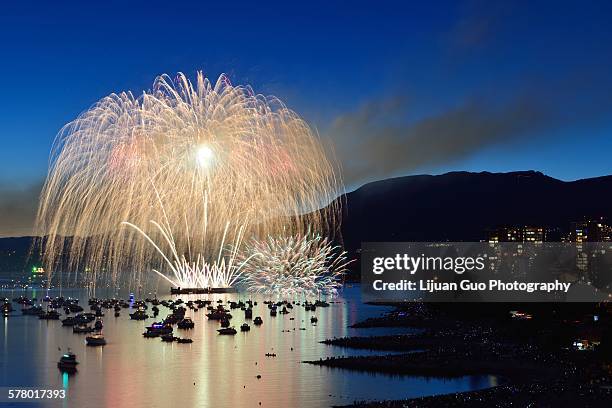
(214, 371)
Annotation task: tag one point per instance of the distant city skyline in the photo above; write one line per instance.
(397, 89)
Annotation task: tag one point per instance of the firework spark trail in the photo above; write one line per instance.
(293, 266)
(215, 152)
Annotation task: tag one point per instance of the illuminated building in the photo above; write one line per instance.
(590, 231)
(518, 234)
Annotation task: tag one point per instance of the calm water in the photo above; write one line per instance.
(214, 371)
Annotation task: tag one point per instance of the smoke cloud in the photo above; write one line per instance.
(18, 208)
(371, 144)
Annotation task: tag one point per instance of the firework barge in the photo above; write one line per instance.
(199, 291)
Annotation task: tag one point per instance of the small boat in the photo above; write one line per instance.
(168, 338)
(270, 354)
(23, 300)
(117, 314)
(321, 303)
(69, 321)
(186, 323)
(314, 319)
(33, 311)
(284, 310)
(225, 323)
(150, 334)
(310, 306)
(160, 328)
(227, 330)
(245, 327)
(258, 321)
(98, 325)
(95, 340)
(139, 315)
(218, 315)
(248, 313)
(86, 317)
(67, 362)
(7, 308)
(82, 328)
(184, 341)
(50, 315)
(273, 312)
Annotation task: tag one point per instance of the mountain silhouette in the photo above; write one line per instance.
(463, 206)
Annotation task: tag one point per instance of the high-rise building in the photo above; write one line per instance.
(590, 231)
(518, 234)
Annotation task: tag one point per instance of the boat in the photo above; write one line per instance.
(139, 315)
(227, 330)
(314, 319)
(258, 321)
(69, 321)
(218, 315)
(321, 303)
(98, 325)
(86, 317)
(225, 323)
(186, 323)
(160, 328)
(74, 308)
(168, 338)
(310, 306)
(150, 334)
(22, 300)
(68, 362)
(245, 327)
(273, 312)
(284, 310)
(82, 328)
(95, 340)
(248, 313)
(184, 341)
(50, 315)
(200, 291)
(117, 314)
(33, 311)
(270, 354)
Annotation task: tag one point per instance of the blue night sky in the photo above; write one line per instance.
(399, 88)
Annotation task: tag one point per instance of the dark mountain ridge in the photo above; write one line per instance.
(462, 206)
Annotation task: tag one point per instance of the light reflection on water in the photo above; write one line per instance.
(214, 371)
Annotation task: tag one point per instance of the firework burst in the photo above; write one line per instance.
(293, 266)
(226, 163)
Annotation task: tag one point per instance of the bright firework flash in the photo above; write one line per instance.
(222, 272)
(260, 168)
(293, 266)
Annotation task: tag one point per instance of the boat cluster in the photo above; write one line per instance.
(79, 322)
(91, 322)
(165, 329)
